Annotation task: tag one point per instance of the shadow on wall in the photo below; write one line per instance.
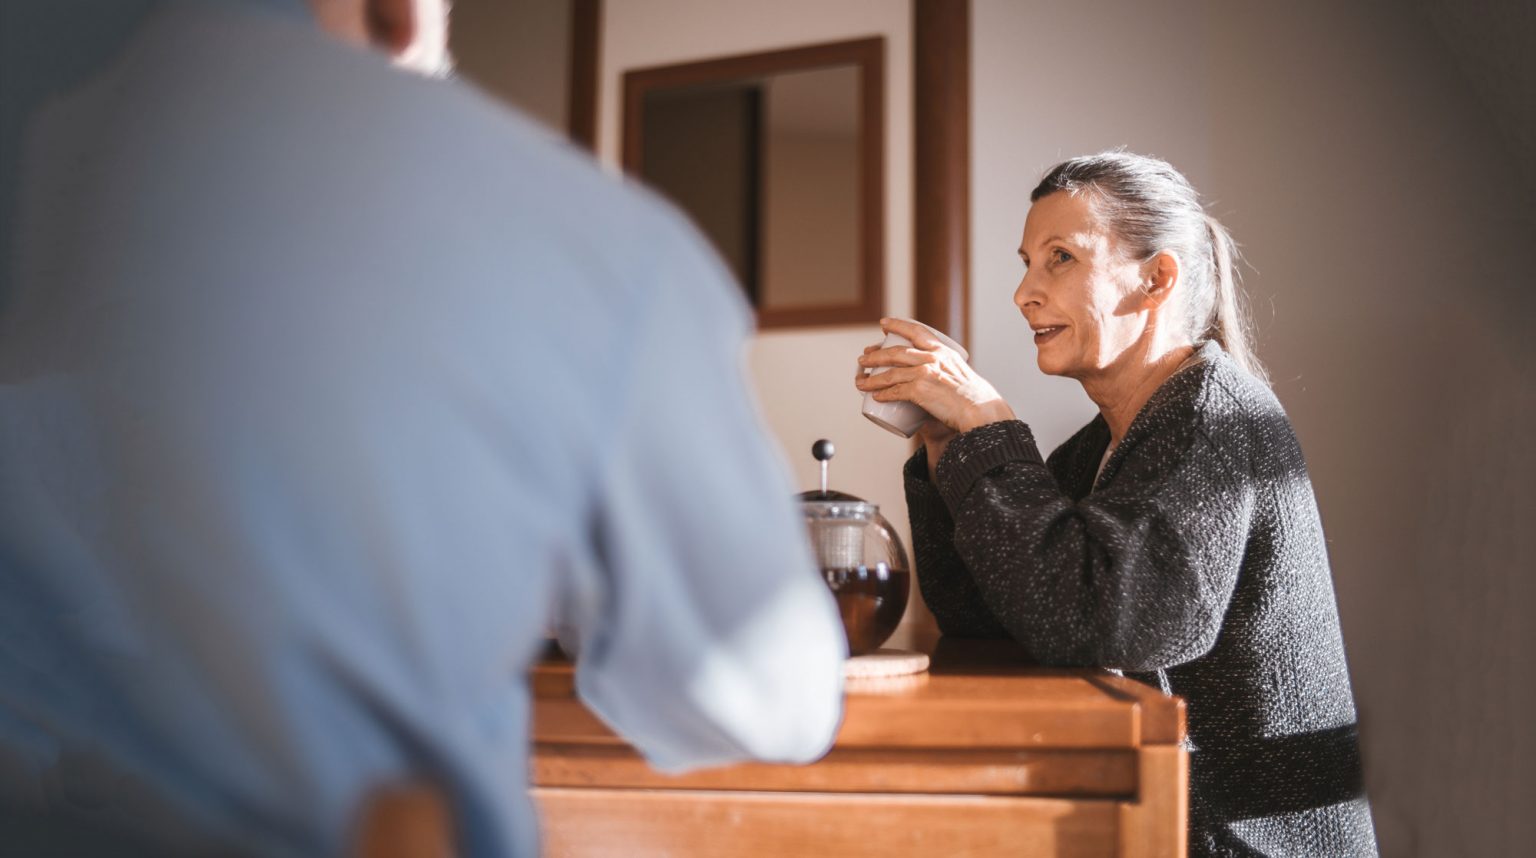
(1379, 198)
(1389, 225)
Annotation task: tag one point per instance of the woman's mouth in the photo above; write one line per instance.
(1045, 334)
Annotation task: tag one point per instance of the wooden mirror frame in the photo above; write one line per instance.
(941, 138)
(586, 45)
(941, 165)
(868, 55)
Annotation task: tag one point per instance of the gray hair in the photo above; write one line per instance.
(1152, 208)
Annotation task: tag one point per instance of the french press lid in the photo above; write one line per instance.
(823, 451)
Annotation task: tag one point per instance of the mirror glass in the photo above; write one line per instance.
(774, 166)
(768, 169)
(517, 52)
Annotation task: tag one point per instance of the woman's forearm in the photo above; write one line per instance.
(947, 587)
(1136, 577)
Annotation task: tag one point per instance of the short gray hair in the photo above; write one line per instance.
(1152, 208)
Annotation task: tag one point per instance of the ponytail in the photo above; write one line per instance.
(1229, 325)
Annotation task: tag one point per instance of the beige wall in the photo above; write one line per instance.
(804, 378)
(1384, 216)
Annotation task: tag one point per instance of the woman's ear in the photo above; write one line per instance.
(1160, 275)
(392, 25)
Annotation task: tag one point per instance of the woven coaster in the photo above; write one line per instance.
(885, 662)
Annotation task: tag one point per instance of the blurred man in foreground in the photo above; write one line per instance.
(319, 382)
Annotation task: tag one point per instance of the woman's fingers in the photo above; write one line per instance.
(897, 356)
(897, 365)
(902, 391)
(861, 369)
(872, 382)
(931, 375)
(917, 335)
(889, 378)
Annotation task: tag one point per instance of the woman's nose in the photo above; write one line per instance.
(1028, 294)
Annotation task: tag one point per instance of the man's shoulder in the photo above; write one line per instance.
(371, 125)
(320, 139)
(503, 171)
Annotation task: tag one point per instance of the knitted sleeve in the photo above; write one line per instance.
(1136, 575)
(942, 578)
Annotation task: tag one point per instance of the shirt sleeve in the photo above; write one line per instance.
(708, 636)
(1136, 575)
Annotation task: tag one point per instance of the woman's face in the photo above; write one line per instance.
(1080, 294)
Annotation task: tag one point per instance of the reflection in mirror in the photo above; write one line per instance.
(770, 157)
(517, 52)
(768, 168)
(703, 151)
(810, 230)
(538, 57)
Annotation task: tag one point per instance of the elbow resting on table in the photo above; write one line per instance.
(1161, 647)
(800, 734)
(1125, 644)
(786, 728)
(786, 712)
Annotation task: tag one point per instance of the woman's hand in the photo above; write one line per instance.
(933, 377)
(934, 435)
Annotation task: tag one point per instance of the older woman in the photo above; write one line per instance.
(1176, 536)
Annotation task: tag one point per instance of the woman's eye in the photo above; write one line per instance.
(1058, 256)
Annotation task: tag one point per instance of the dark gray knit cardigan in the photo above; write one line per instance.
(1194, 562)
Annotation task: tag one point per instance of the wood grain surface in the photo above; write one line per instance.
(985, 754)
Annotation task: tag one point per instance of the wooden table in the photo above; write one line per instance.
(985, 755)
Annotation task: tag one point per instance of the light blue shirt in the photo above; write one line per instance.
(320, 385)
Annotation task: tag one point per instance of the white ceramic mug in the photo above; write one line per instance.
(902, 418)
